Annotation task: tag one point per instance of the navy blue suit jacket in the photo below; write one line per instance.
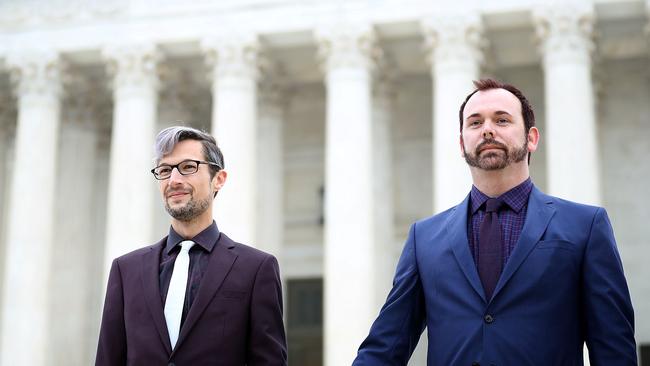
(562, 286)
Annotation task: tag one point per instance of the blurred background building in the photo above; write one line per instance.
(339, 125)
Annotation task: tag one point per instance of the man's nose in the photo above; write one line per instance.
(176, 176)
(488, 130)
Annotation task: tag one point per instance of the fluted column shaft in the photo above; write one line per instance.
(382, 115)
(270, 231)
(131, 187)
(455, 57)
(31, 210)
(571, 128)
(7, 131)
(349, 224)
(234, 124)
(71, 280)
(4, 142)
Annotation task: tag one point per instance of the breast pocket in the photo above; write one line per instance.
(232, 294)
(553, 267)
(559, 244)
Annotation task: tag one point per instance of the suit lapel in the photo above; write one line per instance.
(221, 261)
(151, 290)
(540, 211)
(456, 226)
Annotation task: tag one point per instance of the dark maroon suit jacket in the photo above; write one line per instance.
(236, 318)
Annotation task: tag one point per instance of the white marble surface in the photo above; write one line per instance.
(590, 95)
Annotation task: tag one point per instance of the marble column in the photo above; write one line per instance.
(234, 125)
(571, 132)
(71, 279)
(270, 173)
(349, 245)
(30, 225)
(7, 134)
(382, 162)
(455, 56)
(95, 265)
(4, 142)
(131, 186)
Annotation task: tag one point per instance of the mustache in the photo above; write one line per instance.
(172, 191)
(490, 142)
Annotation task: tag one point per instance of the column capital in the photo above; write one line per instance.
(565, 31)
(454, 41)
(181, 92)
(347, 46)
(8, 110)
(86, 101)
(36, 73)
(235, 56)
(271, 90)
(385, 81)
(133, 66)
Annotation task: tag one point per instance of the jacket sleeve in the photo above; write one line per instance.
(111, 350)
(608, 314)
(267, 344)
(396, 331)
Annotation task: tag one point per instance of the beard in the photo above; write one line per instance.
(495, 160)
(191, 210)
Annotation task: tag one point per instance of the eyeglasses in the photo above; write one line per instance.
(185, 167)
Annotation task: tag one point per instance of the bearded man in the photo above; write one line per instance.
(510, 276)
(196, 297)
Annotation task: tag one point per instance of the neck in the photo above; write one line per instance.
(496, 182)
(189, 229)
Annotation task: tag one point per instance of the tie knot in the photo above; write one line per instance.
(186, 245)
(493, 205)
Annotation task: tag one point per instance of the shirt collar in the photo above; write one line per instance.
(206, 239)
(516, 198)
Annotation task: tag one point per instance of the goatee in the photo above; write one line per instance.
(190, 211)
(495, 160)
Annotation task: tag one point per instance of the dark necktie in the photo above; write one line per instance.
(490, 260)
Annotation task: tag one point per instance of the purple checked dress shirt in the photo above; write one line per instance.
(511, 217)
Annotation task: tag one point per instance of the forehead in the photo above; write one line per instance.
(492, 100)
(186, 149)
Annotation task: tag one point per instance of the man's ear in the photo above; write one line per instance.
(532, 138)
(462, 145)
(219, 180)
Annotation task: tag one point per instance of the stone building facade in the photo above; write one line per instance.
(338, 121)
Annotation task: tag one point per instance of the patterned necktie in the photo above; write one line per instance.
(490, 260)
(176, 293)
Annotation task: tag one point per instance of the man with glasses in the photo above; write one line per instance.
(196, 297)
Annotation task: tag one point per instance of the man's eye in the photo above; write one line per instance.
(187, 167)
(164, 170)
(474, 123)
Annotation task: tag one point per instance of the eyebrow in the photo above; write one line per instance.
(498, 113)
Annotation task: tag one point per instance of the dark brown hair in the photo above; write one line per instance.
(488, 84)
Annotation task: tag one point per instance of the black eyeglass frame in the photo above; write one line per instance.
(198, 162)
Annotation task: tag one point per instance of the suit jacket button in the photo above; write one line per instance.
(488, 319)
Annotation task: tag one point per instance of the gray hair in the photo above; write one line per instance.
(170, 136)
